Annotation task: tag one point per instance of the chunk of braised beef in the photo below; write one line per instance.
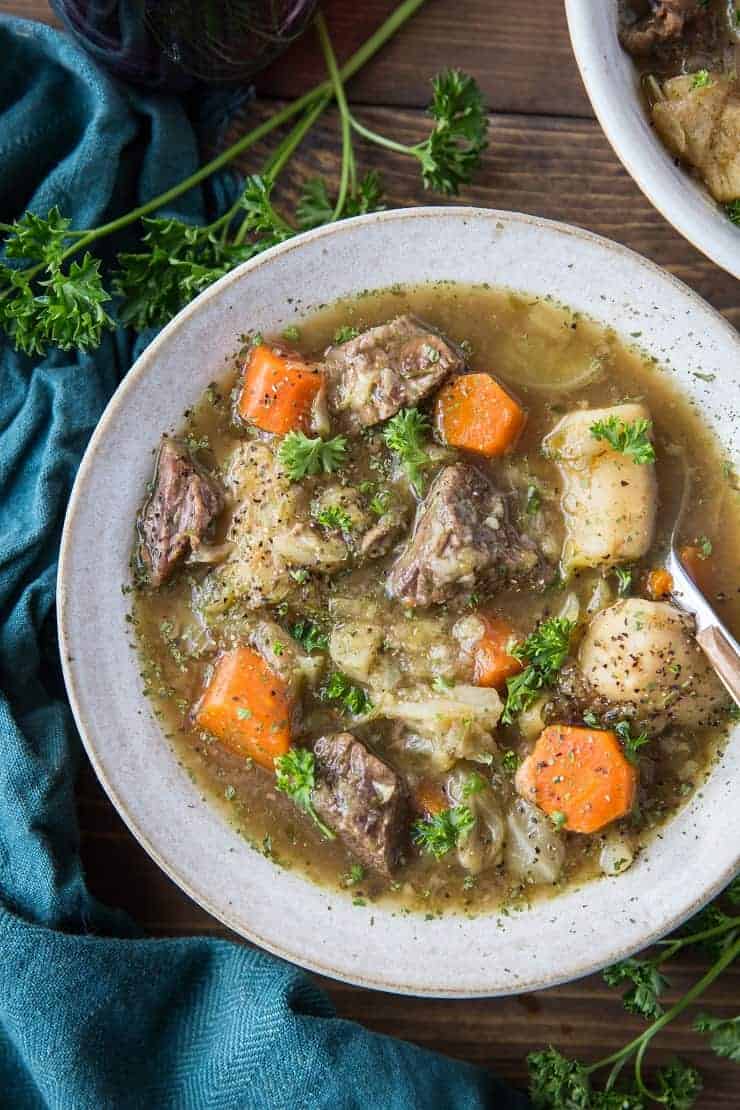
(387, 368)
(663, 22)
(463, 537)
(362, 799)
(182, 504)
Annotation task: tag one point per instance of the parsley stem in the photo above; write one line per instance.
(641, 1042)
(673, 946)
(348, 157)
(380, 140)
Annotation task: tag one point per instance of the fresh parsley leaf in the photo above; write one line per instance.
(733, 211)
(632, 744)
(452, 153)
(558, 1083)
(724, 1034)
(335, 517)
(309, 635)
(295, 775)
(354, 700)
(439, 833)
(629, 437)
(39, 238)
(316, 208)
(590, 719)
(558, 818)
(732, 892)
(679, 1085)
(405, 434)
(647, 985)
(300, 455)
(354, 876)
(292, 333)
(624, 580)
(544, 651)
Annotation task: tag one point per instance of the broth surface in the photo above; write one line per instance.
(535, 348)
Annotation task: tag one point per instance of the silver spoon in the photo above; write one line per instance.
(714, 638)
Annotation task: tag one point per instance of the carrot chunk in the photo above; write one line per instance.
(475, 413)
(246, 706)
(277, 392)
(659, 584)
(579, 776)
(492, 664)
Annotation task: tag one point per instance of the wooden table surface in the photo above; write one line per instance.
(547, 156)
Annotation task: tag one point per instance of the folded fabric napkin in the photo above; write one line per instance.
(91, 1014)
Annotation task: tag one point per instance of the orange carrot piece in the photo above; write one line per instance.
(699, 567)
(492, 664)
(475, 413)
(579, 776)
(659, 583)
(246, 706)
(429, 797)
(277, 392)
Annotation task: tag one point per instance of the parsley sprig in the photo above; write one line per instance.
(544, 651)
(630, 437)
(560, 1083)
(301, 455)
(405, 435)
(439, 833)
(632, 744)
(52, 291)
(352, 698)
(295, 775)
(309, 635)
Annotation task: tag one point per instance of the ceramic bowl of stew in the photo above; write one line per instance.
(622, 88)
(419, 857)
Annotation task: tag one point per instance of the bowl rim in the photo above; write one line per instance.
(170, 865)
(606, 106)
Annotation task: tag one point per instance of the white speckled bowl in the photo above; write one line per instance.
(613, 85)
(279, 910)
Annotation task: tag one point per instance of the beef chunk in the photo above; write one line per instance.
(362, 799)
(664, 23)
(463, 535)
(178, 512)
(387, 368)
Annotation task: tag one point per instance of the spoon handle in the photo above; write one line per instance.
(722, 653)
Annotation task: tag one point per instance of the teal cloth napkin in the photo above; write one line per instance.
(92, 1015)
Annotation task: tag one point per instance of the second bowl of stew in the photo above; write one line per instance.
(382, 661)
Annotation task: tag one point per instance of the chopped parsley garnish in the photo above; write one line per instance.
(544, 652)
(724, 1034)
(590, 719)
(628, 437)
(510, 762)
(278, 647)
(405, 434)
(705, 547)
(354, 699)
(440, 833)
(632, 744)
(354, 876)
(381, 502)
(243, 713)
(309, 635)
(291, 333)
(473, 784)
(733, 211)
(295, 775)
(300, 455)
(334, 516)
(624, 580)
(701, 79)
(534, 499)
(558, 818)
(345, 333)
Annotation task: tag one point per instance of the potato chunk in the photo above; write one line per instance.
(701, 124)
(644, 653)
(608, 500)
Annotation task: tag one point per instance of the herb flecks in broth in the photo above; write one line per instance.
(444, 675)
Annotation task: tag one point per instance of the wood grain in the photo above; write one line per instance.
(547, 156)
